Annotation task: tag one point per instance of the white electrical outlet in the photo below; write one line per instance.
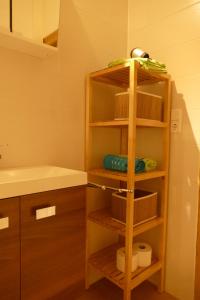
(174, 126)
(176, 120)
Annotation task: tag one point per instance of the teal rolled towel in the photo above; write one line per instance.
(114, 162)
(139, 165)
(120, 163)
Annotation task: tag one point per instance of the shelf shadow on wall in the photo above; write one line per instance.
(183, 198)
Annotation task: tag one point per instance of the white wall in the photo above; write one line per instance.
(169, 31)
(33, 19)
(4, 15)
(45, 16)
(42, 102)
(23, 17)
(51, 16)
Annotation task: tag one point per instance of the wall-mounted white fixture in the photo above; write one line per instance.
(176, 120)
(15, 42)
(30, 26)
(32, 19)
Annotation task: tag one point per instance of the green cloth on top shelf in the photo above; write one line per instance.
(150, 164)
(146, 63)
(117, 62)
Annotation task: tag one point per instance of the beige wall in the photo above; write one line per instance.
(42, 102)
(169, 31)
(51, 16)
(33, 19)
(45, 17)
(4, 15)
(23, 18)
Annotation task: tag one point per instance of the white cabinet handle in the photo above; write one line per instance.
(45, 212)
(4, 223)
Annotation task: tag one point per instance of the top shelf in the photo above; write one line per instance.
(119, 76)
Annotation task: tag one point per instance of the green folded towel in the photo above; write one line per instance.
(150, 164)
(146, 63)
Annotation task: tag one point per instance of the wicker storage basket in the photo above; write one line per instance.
(148, 107)
(145, 206)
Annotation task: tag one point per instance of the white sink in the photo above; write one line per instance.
(23, 181)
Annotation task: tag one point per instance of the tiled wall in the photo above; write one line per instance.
(169, 31)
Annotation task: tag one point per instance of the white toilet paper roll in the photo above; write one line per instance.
(144, 254)
(121, 260)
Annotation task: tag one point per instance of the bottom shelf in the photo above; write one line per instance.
(104, 261)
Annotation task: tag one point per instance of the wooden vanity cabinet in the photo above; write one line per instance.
(52, 247)
(9, 249)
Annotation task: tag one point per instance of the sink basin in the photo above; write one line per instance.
(23, 181)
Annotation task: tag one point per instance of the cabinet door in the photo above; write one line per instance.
(9, 249)
(52, 243)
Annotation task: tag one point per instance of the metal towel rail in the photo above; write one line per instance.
(104, 187)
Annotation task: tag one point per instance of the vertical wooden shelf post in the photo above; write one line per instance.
(131, 179)
(87, 164)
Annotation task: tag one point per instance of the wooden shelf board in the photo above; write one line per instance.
(120, 68)
(150, 123)
(149, 175)
(108, 174)
(120, 123)
(123, 176)
(149, 77)
(149, 94)
(103, 217)
(104, 261)
(119, 75)
(113, 123)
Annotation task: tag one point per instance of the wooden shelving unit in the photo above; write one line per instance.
(101, 258)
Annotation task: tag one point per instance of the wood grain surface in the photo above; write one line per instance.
(10, 251)
(52, 249)
(105, 290)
